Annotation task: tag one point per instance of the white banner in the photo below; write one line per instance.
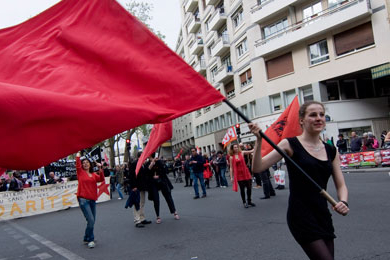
(44, 199)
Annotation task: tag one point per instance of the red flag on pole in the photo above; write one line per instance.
(287, 125)
(160, 134)
(229, 137)
(64, 70)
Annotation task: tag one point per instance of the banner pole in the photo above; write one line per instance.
(285, 156)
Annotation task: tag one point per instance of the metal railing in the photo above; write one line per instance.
(306, 21)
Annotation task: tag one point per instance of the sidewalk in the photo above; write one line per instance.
(366, 169)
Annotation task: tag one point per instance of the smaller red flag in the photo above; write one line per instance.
(160, 133)
(229, 137)
(287, 125)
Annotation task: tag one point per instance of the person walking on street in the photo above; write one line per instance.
(119, 181)
(87, 195)
(268, 189)
(158, 181)
(308, 217)
(206, 171)
(138, 184)
(240, 175)
(187, 171)
(221, 168)
(196, 163)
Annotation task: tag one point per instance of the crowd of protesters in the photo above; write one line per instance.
(364, 143)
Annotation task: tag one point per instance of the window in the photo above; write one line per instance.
(354, 39)
(230, 119)
(312, 11)
(186, 130)
(246, 78)
(237, 18)
(289, 97)
(275, 27)
(276, 103)
(202, 130)
(223, 123)
(213, 71)
(211, 123)
(332, 87)
(229, 90)
(207, 109)
(197, 131)
(216, 123)
(190, 127)
(252, 107)
(244, 110)
(279, 66)
(242, 48)
(318, 52)
(307, 94)
(334, 3)
(206, 128)
(348, 89)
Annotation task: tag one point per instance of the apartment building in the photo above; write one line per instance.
(261, 54)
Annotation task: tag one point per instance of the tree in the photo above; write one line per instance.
(142, 10)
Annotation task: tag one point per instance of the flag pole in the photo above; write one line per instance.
(323, 192)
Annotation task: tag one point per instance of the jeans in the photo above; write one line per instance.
(139, 215)
(88, 207)
(118, 187)
(199, 175)
(223, 177)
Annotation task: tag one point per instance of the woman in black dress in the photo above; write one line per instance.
(308, 217)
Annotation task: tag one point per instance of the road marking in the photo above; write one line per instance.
(32, 248)
(51, 245)
(24, 241)
(43, 256)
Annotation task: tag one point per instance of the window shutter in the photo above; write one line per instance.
(280, 65)
(355, 38)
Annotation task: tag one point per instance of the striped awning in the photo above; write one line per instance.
(380, 71)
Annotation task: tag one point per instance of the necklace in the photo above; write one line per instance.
(317, 148)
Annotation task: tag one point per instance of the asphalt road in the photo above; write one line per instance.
(217, 227)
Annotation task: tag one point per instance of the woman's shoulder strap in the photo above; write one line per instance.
(331, 151)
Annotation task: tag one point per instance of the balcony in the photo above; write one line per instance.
(190, 5)
(211, 2)
(266, 9)
(345, 13)
(200, 66)
(224, 74)
(196, 46)
(193, 24)
(217, 19)
(221, 46)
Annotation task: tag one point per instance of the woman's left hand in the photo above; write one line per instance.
(341, 208)
(98, 164)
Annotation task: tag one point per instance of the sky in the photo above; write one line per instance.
(166, 14)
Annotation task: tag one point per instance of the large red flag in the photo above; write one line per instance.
(160, 133)
(287, 125)
(83, 71)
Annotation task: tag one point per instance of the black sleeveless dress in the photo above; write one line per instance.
(308, 216)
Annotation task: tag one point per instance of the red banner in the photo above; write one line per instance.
(385, 154)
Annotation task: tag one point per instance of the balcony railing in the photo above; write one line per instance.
(217, 18)
(223, 73)
(221, 45)
(260, 5)
(314, 18)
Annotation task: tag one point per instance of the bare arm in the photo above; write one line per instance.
(247, 152)
(260, 164)
(341, 188)
(231, 167)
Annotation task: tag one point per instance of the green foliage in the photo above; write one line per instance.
(142, 10)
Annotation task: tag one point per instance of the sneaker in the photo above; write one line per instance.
(246, 205)
(251, 204)
(146, 222)
(119, 198)
(196, 197)
(91, 244)
(204, 196)
(176, 216)
(139, 225)
(158, 220)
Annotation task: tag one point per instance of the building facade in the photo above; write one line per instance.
(261, 54)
